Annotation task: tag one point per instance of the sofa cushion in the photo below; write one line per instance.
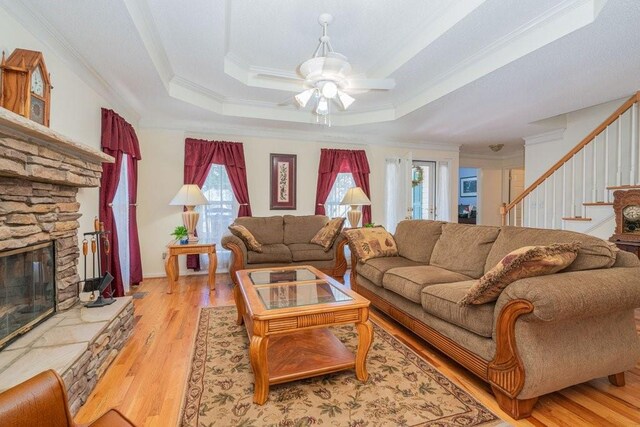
(593, 253)
(249, 240)
(301, 229)
(267, 230)
(308, 252)
(374, 269)
(464, 248)
(417, 238)
(277, 252)
(442, 301)
(328, 233)
(371, 242)
(409, 281)
(528, 261)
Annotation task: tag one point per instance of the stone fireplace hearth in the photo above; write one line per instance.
(40, 174)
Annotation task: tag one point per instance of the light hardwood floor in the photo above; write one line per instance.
(146, 380)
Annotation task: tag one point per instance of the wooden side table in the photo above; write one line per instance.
(629, 246)
(171, 263)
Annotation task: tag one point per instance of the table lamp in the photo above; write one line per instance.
(190, 196)
(356, 198)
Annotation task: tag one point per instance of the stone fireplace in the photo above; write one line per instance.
(40, 174)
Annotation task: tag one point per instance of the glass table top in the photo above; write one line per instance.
(289, 295)
(266, 277)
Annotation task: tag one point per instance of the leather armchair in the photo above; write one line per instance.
(42, 401)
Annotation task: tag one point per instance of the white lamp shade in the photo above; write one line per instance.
(355, 197)
(189, 195)
(303, 97)
(345, 99)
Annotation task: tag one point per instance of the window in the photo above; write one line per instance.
(332, 207)
(218, 214)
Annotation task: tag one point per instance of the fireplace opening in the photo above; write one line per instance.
(27, 289)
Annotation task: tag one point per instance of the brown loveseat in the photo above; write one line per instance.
(285, 241)
(542, 334)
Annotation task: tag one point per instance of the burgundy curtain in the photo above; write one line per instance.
(333, 162)
(119, 138)
(199, 155)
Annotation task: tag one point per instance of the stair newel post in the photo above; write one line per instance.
(583, 209)
(553, 203)
(606, 165)
(544, 204)
(634, 145)
(619, 153)
(573, 186)
(564, 190)
(503, 214)
(594, 193)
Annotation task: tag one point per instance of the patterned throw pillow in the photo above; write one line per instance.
(528, 261)
(374, 242)
(328, 233)
(242, 232)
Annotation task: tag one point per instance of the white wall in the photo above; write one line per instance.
(161, 175)
(75, 106)
(541, 152)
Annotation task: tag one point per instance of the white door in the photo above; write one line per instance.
(397, 190)
(424, 189)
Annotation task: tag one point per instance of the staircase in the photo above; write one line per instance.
(577, 192)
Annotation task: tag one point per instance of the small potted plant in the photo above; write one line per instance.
(181, 234)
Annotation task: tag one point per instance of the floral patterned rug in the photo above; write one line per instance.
(402, 389)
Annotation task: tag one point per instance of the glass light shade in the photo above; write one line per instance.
(355, 197)
(323, 106)
(189, 195)
(303, 97)
(329, 90)
(345, 99)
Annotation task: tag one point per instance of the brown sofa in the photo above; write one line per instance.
(285, 241)
(542, 334)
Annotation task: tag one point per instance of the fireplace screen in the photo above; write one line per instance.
(27, 289)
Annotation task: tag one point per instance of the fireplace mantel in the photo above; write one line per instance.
(34, 152)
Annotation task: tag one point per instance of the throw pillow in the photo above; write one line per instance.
(328, 233)
(243, 233)
(528, 261)
(373, 242)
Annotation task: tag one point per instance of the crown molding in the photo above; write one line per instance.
(553, 135)
(41, 29)
(450, 15)
(562, 19)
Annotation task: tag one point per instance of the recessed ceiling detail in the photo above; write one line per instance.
(465, 71)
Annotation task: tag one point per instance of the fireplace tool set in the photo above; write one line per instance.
(100, 282)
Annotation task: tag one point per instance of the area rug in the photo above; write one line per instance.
(402, 389)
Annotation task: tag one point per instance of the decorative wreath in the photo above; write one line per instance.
(418, 174)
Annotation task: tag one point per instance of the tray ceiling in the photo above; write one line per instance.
(466, 72)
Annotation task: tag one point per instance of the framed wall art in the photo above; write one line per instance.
(283, 181)
(469, 186)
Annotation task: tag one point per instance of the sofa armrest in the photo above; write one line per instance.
(338, 245)
(236, 246)
(575, 295)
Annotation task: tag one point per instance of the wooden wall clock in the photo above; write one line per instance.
(626, 206)
(26, 85)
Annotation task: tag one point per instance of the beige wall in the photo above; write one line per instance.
(75, 106)
(161, 175)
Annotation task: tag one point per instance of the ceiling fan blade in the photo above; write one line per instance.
(287, 101)
(372, 84)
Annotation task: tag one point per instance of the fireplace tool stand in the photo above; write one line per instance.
(100, 283)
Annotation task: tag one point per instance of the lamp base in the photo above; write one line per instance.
(354, 216)
(190, 220)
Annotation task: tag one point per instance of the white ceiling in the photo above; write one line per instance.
(467, 72)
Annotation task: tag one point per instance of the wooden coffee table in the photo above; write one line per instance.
(286, 312)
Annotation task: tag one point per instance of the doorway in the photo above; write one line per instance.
(468, 196)
(423, 190)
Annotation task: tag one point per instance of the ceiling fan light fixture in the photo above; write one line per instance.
(329, 90)
(345, 99)
(323, 106)
(303, 97)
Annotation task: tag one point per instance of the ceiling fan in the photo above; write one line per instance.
(326, 78)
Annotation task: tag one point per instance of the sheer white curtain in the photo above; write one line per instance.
(332, 207)
(120, 208)
(398, 196)
(444, 192)
(217, 215)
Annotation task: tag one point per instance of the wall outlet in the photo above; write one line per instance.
(164, 255)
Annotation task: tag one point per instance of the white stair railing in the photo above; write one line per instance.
(584, 176)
